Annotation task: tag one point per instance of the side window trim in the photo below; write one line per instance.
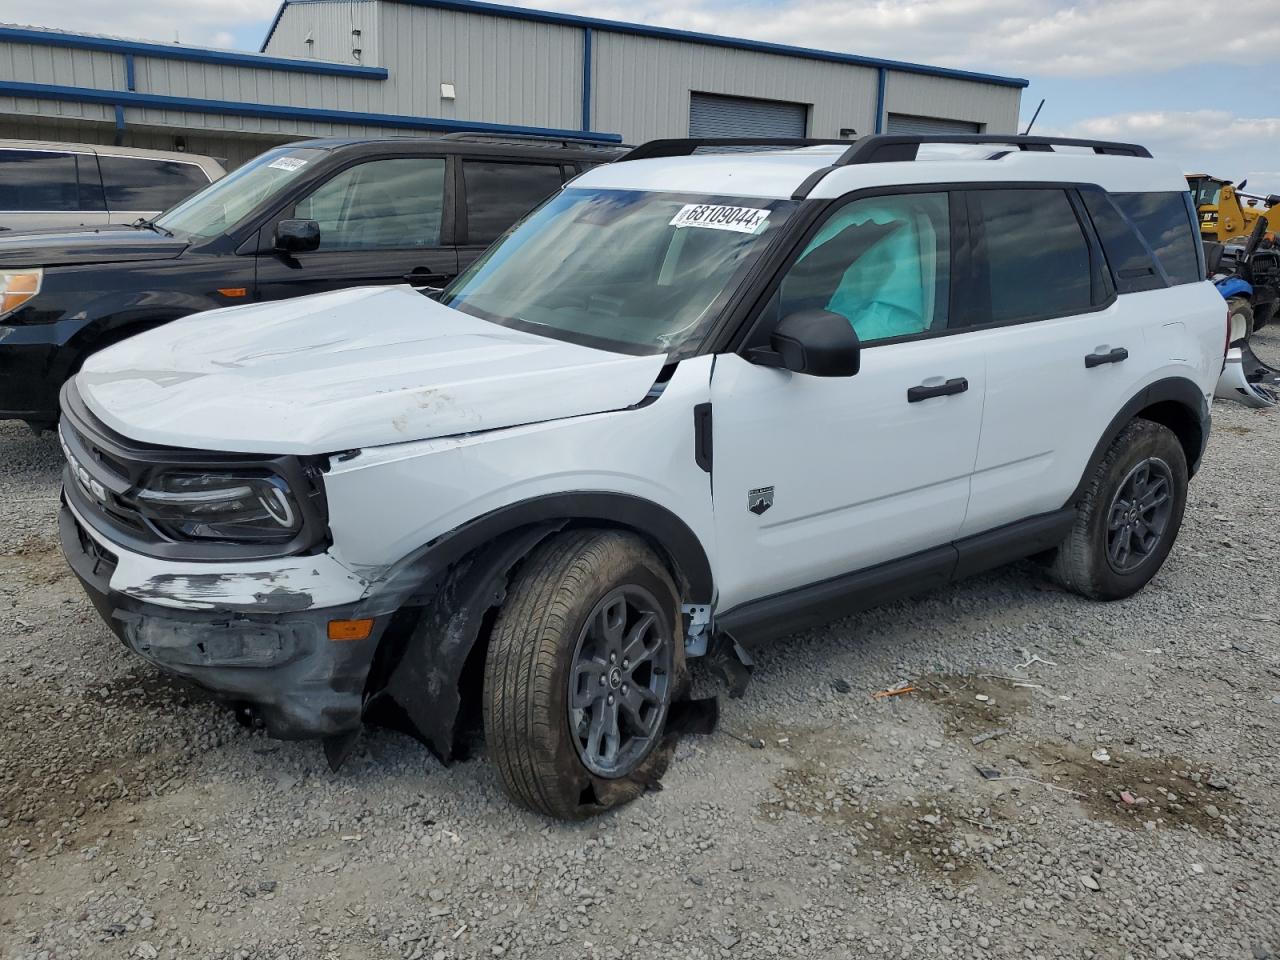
(1102, 289)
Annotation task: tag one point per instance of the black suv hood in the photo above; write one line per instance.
(60, 248)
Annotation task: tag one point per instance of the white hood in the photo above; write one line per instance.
(338, 371)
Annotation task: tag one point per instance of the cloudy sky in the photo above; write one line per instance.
(1200, 90)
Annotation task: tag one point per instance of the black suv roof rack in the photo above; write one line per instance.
(684, 147)
(496, 137)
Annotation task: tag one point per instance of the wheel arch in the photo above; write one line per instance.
(444, 597)
(1174, 402)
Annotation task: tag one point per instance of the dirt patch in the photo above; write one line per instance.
(976, 706)
(37, 560)
(48, 785)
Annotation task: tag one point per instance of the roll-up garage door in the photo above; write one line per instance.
(905, 123)
(716, 116)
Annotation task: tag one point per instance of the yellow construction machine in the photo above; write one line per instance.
(1223, 215)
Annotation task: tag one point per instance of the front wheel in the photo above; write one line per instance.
(1129, 517)
(584, 662)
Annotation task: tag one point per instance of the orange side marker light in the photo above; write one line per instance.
(234, 292)
(350, 629)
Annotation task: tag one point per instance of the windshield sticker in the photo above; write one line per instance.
(288, 163)
(715, 217)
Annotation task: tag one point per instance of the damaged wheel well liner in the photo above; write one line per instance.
(421, 670)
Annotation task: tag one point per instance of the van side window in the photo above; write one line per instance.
(882, 263)
(1037, 255)
(38, 181)
(137, 183)
(500, 194)
(1133, 265)
(1163, 221)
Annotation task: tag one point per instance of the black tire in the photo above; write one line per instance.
(538, 637)
(1086, 561)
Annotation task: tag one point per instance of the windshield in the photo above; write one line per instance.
(624, 270)
(1205, 191)
(224, 203)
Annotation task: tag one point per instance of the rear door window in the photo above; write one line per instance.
(1037, 257)
(380, 205)
(38, 181)
(499, 194)
(1165, 223)
(137, 183)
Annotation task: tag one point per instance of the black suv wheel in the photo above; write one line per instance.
(585, 659)
(1129, 517)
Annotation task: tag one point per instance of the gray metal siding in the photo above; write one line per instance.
(641, 85)
(902, 123)
(994, 107)
(503, 70)
(716, 116)
(329, 25)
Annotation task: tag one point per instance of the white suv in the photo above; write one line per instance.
(694, 402)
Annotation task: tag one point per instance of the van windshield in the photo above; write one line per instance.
(624, 270)
(224, 203)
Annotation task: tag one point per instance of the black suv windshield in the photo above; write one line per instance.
(224, 203)
(625, 270)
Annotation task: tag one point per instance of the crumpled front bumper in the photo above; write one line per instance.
(281, 664)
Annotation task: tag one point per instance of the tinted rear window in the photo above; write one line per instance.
(1164, 222)
(499, 194)
(133, 183)
(1131, 262)
(1037, 255)
(37, 180)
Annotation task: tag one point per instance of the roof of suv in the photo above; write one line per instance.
(568, 148)
(208, 163)
(794, 173)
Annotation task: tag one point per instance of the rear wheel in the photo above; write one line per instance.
(1129, 517)
(584, 662)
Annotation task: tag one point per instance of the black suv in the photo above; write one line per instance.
(302, 218)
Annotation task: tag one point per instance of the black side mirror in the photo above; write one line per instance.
(297, 236)
(817, 342)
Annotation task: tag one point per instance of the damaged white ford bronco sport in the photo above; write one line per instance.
(694, 402)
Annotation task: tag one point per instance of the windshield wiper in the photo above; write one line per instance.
(151, 225)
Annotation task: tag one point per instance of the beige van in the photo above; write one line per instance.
(46, 184)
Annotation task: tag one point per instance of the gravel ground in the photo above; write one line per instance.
(137, 819)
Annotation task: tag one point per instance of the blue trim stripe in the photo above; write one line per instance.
(272, 111)
(166, 51)
(130, 74)
(880, 85)
(687, 36)
(586, 77)
(119, 117)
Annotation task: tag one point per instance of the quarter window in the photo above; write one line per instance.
(500, 194)
(382, 204)
(1132, 265)
(882, 263)
(135, 183)
(1037, 256)
(37, 180)
(1164, 221)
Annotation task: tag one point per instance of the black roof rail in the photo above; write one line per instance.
(892, 147)
(495, 136)
(900, 147)
(684, 147)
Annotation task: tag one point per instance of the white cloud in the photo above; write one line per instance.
(1204, 141)
(1060, 37)
(197, 22)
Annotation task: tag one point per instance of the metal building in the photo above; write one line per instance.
(424, 67)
